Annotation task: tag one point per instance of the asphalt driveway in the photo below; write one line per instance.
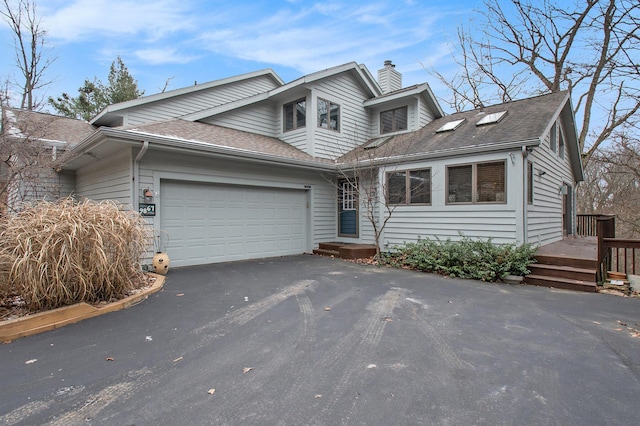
(327, 342)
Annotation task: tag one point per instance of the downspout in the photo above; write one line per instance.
(525, 198)
(136, 175)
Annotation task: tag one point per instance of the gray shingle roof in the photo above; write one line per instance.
(526, 120)
(222, 136)
(44, 127)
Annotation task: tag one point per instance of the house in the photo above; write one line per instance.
(250, 166)
(32, 148)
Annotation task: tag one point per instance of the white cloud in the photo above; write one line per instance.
(163, 56)
(308, 40)
(94, 19)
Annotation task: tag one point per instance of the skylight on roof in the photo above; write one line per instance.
(376, 142)
(452, 125)
(491, 118)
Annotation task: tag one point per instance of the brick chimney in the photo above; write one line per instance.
(388, 78)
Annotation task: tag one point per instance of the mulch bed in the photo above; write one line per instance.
(13, 306)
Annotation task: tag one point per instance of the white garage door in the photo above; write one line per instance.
(208, 223)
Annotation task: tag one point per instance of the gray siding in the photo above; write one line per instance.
(354, 121)
(108, 179)
(545, 215)
(425, 115)
(499, 222)
(197, 101)
(260, 118)
(297, 138)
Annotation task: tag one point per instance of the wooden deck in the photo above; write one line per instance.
(568, 264)
(573, 247)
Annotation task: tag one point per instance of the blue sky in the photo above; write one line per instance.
(199, 40)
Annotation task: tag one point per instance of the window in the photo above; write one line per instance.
(328, 115)
(393, 120)
(477, 183)
(553, 138)
(349, 196)
(529, 182)
(295, 114)
(452, 125)
(491, 118)
(409, 187)
(560, 142)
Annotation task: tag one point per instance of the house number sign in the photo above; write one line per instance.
(147, 209)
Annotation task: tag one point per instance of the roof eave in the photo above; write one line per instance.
(423, 90)
(181, 145)
(468, 150)
(185, 90)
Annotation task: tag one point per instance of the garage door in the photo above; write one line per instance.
(209, 223)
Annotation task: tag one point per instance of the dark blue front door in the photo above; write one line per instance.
(347, 209)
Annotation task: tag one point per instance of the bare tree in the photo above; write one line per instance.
(360, 172)
(530, 47)
(29, 164)
(31, 55)
(612, 184)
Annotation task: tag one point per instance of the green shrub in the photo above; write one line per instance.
(57, 254)
(466, 258)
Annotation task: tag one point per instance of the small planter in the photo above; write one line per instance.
(161, 263)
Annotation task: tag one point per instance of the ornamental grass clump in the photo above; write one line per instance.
(55, 254)
(467, 258)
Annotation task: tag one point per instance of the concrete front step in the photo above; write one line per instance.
(568, 272)
(564, 283)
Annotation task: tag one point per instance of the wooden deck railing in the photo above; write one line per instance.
(615, 254)
(587, 224)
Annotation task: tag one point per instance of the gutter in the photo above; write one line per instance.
(135, 194)
(448, 153)
(525, 197)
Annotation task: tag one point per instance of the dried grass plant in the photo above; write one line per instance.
(59, 253)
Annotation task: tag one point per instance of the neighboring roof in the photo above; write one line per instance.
(44, 127)
(525, 123)
(185, 90)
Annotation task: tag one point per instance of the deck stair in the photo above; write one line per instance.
(563, 272)
(346, 250)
